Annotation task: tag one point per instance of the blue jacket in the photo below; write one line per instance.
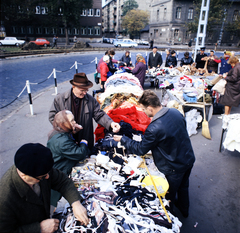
(225, 67)
(167, 138)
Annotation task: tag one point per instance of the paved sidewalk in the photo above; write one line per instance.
(214, 182)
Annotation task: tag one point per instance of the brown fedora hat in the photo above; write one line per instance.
(81, 80)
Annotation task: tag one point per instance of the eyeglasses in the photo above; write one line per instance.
(84, 91)
(42, 177)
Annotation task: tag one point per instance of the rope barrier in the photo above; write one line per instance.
(55, 82)
(15, 98)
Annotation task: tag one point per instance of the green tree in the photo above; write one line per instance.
(129, 5)
(215, 14)
(134, 21)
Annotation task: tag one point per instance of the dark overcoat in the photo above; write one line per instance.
(231, 95)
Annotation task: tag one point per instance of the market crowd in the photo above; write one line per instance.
(31, 188)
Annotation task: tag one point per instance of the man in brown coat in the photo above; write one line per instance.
(84, 107)
(25, 191)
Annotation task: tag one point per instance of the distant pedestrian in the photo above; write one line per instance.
(54, 41)
(190, 43)
(151, 44)
(75, 39)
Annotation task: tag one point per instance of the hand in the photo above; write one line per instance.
(117, 138)
(115, 127)
(83, 140)
(80, 213)
(49, 225)
(77, 128)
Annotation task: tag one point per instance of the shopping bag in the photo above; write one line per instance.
(220, 86)
(216, 79)
(96, 78)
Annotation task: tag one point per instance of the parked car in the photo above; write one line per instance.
(144, 42)
(41, 42)
(125, 43)
(11, 41)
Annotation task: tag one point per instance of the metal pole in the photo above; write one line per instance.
(76, 67)
(96, 63)
(55, 80)
(29, 96)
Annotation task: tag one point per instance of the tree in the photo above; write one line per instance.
(128, 6)
(134, 21)
(215, 14)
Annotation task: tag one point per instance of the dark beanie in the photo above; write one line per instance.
(33, 159)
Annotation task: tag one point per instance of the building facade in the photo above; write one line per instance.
(89, 28)
(168, 21)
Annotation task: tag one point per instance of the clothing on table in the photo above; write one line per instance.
(154, 60)
(167, 138)
(225, 67)
(140, 71)
(199, 62)
(231, 95)
(186, 61)
(171, 61)
(21, 210)
(88, 110)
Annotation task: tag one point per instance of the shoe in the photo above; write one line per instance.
(184, 213)
(94, 93)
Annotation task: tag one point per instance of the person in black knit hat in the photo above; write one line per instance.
(25, 192)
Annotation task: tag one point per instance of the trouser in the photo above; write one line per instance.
(178, 186)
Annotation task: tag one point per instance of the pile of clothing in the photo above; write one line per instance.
(116, 198)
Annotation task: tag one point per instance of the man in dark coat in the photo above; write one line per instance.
(25, 192)
(155, 59)
(171, 61)
(84, 107)
(167, 138)
(200, 61)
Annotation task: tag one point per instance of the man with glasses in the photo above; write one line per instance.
(84, 107)
(25, 191)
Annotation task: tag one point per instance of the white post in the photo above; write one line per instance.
(76, 67)
(55, 80)
(29, 96)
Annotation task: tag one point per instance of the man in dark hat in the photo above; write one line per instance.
(155, 59)
(84, 107)
(200, 61)
(25, 192)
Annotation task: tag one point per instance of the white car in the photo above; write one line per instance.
(125, 43)
(11, 41)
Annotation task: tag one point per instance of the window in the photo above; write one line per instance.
(190, 13)
(46, 30)
(61, 30)
(97, 12)
(84, 13)
(164, 13)
(157, 15)
(75, 31)
(14, 29)
(176, 33)
(30, 30)
(69, 31)
(84, 31)
(54, 31)
(235, 15)
(23, 30)
(38, 30)
(44, 10)
(90, 31)
(97, 30)
(37, 10)
(231, 37)
(90, 12)
(178, 13)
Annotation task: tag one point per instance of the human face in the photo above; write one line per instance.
(154, 50)
(33, 180)
(71, 119)
(43, 177)
(147, 110)
(79, 92)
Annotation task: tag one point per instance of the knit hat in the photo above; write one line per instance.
(33, 159)
(105, 58)
(81, 80)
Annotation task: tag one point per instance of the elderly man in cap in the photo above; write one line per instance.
(155, 59)
(84, 108)
(200, 60)
(25, 192)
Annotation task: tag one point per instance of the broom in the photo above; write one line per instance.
(205, 127)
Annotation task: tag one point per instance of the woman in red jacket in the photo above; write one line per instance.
(104, 74)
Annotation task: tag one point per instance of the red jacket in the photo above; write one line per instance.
(104, 70)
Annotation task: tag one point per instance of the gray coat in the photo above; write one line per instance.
(21, 210)
(231, 95)
(90, 110)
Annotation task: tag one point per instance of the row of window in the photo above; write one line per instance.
(95, 30)
(88, 12)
